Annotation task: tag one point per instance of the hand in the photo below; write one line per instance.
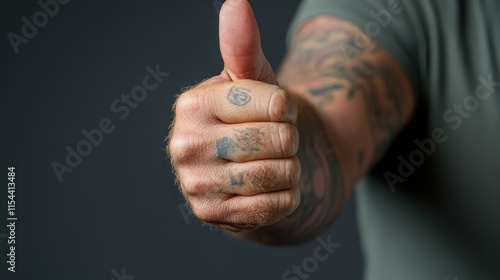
(233, 141)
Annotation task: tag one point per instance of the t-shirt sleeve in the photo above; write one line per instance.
(389, 22)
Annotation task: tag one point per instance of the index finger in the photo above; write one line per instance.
(250, 101)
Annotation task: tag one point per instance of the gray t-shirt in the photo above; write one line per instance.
(431, 208)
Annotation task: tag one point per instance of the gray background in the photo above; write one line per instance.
(119, 207)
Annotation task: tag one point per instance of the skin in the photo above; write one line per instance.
(276, 162)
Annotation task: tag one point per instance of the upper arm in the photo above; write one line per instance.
(359, 89)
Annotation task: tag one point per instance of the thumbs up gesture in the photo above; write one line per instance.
(233, 141)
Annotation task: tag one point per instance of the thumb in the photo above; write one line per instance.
(240, 44)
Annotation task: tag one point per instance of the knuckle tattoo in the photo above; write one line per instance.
(239, 96)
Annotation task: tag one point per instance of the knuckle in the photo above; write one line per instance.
(206, 212)
(287, 142)
(192, 186)
(184, 148)
(278, 104)
(189, 103)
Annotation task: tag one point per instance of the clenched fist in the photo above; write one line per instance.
(233, 141)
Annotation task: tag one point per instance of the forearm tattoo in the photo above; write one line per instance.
(322, 181)
(333, 64)
(341, 62)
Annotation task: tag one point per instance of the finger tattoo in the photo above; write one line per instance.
(247, 140)
(224, 145)
(236, 180)
(239, 96)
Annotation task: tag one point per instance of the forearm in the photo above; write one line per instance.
(350, 109)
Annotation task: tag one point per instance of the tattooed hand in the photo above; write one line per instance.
(233, 142)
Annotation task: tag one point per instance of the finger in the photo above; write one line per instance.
(245, 101)
(254, 177)
(255, 141)
(240, 44)
(248, 212)
(249, 178)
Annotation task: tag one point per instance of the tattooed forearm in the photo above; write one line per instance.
(337, 61)
(332, 63)
(338, 75)
(322, 180)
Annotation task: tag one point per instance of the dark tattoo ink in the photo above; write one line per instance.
(224, 145)
(239, 96)
(249, 139)
(335, 61)
(325, 90)
(322, 187)
(236, 180)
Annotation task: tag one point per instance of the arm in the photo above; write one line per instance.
(353, 98)
(234, 143)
